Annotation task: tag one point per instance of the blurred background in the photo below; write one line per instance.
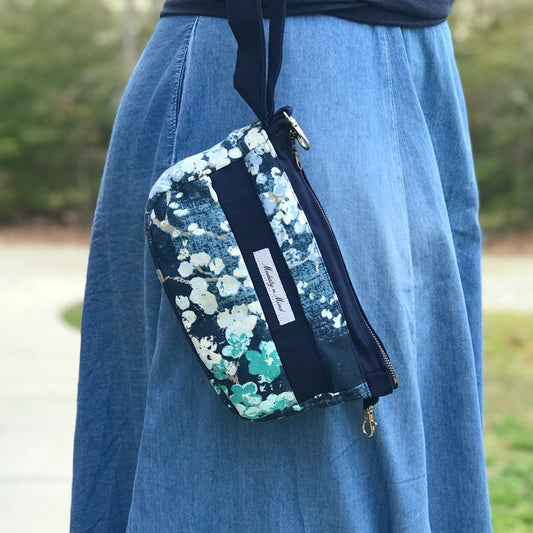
(63, 68)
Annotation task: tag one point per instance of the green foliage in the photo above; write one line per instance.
(58, 91)
(62, 74)
(494, 52)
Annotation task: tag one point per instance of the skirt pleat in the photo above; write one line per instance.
(391, 162)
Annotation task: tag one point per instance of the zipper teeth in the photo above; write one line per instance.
(374, 336)
(377, 341)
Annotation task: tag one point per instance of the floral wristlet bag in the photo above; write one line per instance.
(250, 263)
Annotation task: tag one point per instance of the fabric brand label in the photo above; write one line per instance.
(272, 281)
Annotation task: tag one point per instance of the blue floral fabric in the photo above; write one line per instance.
(201, 267)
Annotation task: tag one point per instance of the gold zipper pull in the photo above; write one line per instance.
(292, 136)
(369, 424)
(300, 135)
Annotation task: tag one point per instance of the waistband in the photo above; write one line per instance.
(408, 13)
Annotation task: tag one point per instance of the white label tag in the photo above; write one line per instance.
(273, 285)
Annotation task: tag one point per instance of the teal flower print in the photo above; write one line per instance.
(252, 412)
(245, 394)
(266, 364)
(238, 342)
(220, 369)
(220, 389)
(224, 370)
(277, 402)
(274, 402)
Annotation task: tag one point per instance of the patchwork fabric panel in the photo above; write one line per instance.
(202, 270)
(301, 252)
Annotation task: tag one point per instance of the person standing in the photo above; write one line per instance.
(375, 87)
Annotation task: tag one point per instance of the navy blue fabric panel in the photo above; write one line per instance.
(409, 13)
(295, 341)
(370, 358)
(343, 366)
(275, 51)
(246, 22)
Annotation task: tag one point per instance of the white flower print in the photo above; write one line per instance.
(218, 157)
(241, 271)
(185, 269)
(337, 321)
(178, 210)
(195, 230)
(200, 259)
(255, 307)
(206, 349)
(199, 284)
(182, 302)
(162, 185)
(313, 251)
(254, 137)
(202, 297)
(301, 225)
(183, 254)
(301, 285)
(206, 179)
(216, 266)
(326, 313)
(235, 136)
(288, 211)
(193, 164)
(239, 317)
(280, 187)
(228, 285)
(269, 205)
(279, 231)
(232, 368)
(253, 162)
(276, 173)
(224, 226)
(261, 178)
(235, 153)
(188, 318)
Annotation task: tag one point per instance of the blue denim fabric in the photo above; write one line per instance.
(390, 159)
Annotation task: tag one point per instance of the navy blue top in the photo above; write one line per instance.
(383, 12)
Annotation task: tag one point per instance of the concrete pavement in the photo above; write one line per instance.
(38, 376)
(508, 283)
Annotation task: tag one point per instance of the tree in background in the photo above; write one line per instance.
(60, 81)
(64, 63)
(494, 50)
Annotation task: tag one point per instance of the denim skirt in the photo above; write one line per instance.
(390, 160)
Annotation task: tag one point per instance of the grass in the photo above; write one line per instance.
(72, 315)
(508, 386)
(508, 406)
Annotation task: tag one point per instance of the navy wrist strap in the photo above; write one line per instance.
(250, 78)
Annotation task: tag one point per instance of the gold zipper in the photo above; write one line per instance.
(369, 424)
(296, 132)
